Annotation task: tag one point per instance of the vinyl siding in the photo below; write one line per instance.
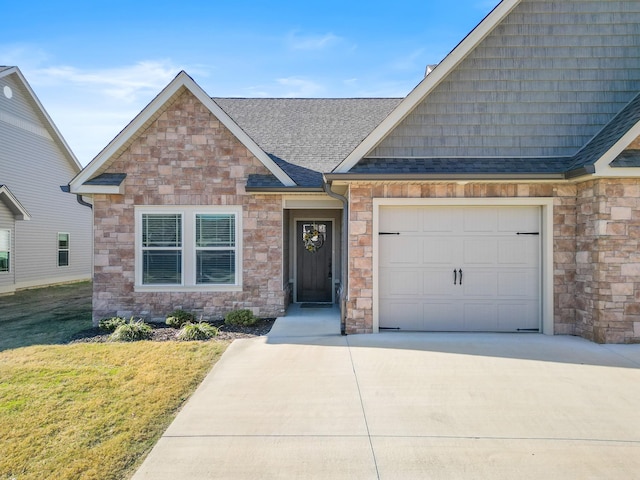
(7, 222)
(34, 166)
(543, 83)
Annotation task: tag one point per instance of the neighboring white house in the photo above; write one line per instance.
(45, 233)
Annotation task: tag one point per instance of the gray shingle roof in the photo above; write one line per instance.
(107, 179)
(608, 136)
(461, 165)
(628, 158)
(307, 136)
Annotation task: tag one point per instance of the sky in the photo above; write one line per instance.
(96, 64)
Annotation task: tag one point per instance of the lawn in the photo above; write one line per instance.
(44, 316)
(92, 411)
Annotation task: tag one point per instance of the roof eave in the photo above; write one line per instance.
(13, 204)
(284, 189)
(468, 177)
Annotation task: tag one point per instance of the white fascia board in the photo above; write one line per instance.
(602, 167)
(13, 204)
(427, 85)
(182, 80)
(99, 189)
(57, 136)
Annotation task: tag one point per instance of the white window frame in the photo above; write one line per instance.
(188, 283)
(8, 232)
(68, 249)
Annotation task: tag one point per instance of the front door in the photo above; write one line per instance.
(314, 265)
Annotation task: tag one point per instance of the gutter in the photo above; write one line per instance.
(67, 189)
(344, 280)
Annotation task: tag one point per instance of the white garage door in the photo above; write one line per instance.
(459, 268)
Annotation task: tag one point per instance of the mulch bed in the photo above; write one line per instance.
(164, 333)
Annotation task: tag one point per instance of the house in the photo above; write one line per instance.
(45, 233)
(502, 194)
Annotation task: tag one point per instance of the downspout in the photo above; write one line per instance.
(344, 276)
(67, 189)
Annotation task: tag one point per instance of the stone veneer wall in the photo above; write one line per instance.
(361, 195)
(186, 157)
(608, 261)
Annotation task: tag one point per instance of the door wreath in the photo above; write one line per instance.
(313, 239)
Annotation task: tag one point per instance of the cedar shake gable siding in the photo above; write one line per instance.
(186, 157)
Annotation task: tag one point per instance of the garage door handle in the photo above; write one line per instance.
(528, 233)
(460, 272)
(455, 276)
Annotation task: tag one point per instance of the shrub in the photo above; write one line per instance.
(243, 318)
(110, 324)
(178, 318)
(131, 332)
(197, 331)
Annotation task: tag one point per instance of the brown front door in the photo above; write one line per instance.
(314, 282)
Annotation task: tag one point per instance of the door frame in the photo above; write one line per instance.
(546, 241)
(294, 228)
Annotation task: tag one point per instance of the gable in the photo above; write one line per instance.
(542, 83)
(535, 80)
(185, 149)
(21, 111)
(84, 182)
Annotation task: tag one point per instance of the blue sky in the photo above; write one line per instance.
(96, 64)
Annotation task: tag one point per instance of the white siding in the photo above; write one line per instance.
(7, 222)
(544, 82)
(34, 166)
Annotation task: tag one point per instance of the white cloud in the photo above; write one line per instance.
(312, 42)
(127, 83)
(300, 87)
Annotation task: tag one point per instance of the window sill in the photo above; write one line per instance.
(190, 288)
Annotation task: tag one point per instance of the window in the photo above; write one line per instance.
(188, 248)
(161, 249)
(5, 251)
(215, 249)
(63, 249)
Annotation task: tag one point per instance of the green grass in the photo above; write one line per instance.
(44, 316)
(92, 411)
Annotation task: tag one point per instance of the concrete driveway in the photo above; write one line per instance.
(305, 402)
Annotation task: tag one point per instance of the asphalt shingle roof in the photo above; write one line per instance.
(628, 158)
(460, 165)
(307, 136)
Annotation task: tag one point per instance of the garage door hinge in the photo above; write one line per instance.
(528, 233)
(388, 233)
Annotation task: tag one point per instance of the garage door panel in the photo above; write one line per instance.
(479, 251)
(479, 219)
(400, 250)
(437, 282)
(480, 317)
(439, 251)
(480, 283)
(522, 283)
(406, 315)
(442, 317)
(519, 251)
(399, 219)
(439, 221)
(514, 317)
(403, 282)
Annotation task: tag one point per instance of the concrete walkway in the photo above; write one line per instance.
(305, 402)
